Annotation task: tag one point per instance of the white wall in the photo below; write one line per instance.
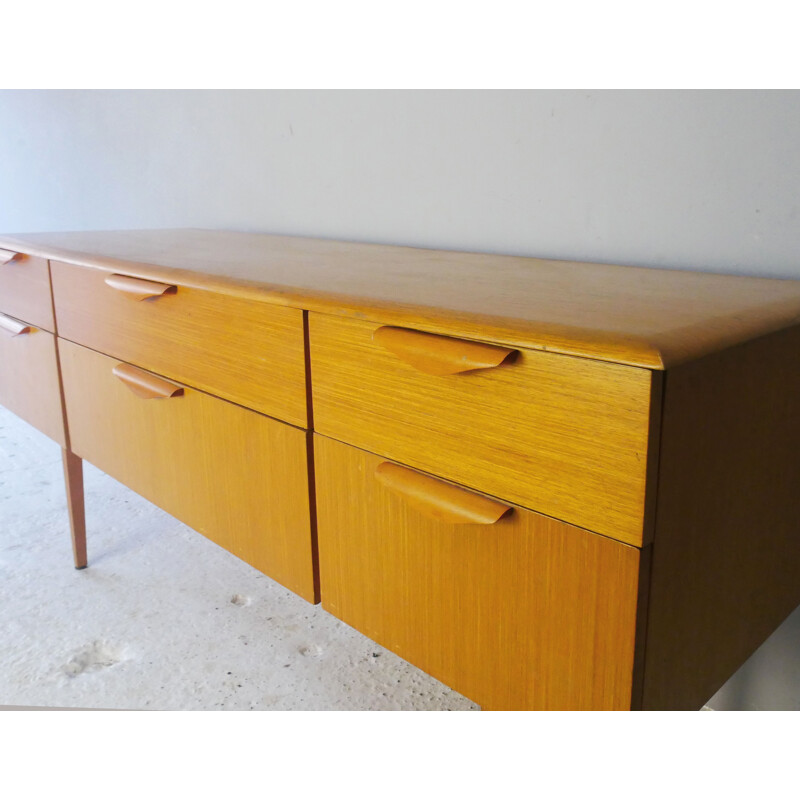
(684, 179)
(703, 180)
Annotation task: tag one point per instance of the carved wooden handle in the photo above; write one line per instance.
(145, 385)
(8, 255)
(439, 355)
(438, 499)
(13, 326)
(139, 287)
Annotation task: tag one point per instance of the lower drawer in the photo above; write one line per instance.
(29, 377)
(525, 612)
(236, 476)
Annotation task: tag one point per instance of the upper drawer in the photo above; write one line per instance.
(25, 289)
(249, 352)
(564, 436)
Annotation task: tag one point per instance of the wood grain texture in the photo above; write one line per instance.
(29, 384)
(25, 291)
(528, 613)
(726, 555)
(73, 485)
(235, 476)
(248, 352)
(644, 317)
(567, 437)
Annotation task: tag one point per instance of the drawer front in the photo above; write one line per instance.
(520, 613)
(25, 289)
(248, 352)
(29, 385)
(236, 476)
(564, 436)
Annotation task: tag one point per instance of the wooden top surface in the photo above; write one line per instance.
(652, 318)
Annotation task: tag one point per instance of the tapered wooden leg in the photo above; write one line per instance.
(73, 480)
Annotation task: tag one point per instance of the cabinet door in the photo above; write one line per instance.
(236, 476)
(524, 612)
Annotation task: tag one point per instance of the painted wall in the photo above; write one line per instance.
(697, 180)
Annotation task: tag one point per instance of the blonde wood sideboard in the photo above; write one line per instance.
(550, 484)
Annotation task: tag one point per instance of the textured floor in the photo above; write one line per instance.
(163, 618)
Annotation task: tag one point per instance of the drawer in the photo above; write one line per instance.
(248, 352)
(236, 476)
(29, 384)
(565, 436)
(25, 289)
(512, 609)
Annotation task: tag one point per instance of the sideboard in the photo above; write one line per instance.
(549, 484)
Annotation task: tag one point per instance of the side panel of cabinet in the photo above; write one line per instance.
(726, 555)
(525, 613)
(236, 476)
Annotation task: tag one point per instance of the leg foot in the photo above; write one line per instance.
(73, 480)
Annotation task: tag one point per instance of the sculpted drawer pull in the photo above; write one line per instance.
(145, 385)
(439, 355)
(13, 326)
(438, 499)
(6, 256)
(139, 287)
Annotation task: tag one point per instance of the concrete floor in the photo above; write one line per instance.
(163, 618)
